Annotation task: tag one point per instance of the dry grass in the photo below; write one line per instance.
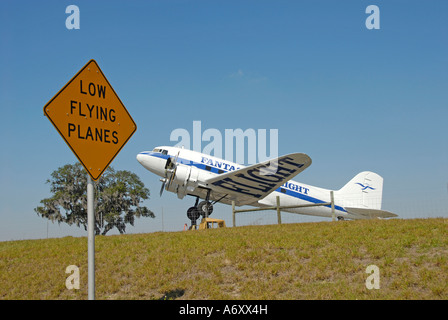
(294, 261)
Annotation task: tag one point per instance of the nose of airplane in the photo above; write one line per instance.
(150, 162)
(140, 158)
(145, 160)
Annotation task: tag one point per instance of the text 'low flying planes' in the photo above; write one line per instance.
(188, 172)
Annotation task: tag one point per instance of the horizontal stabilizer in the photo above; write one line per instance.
(363, 213)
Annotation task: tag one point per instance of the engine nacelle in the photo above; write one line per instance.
(185, 180)
(182, 174)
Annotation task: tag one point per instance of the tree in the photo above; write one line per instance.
(118, 197)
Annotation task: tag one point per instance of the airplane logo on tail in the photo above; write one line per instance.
(365, 187)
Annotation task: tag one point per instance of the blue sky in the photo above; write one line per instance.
(353, 99)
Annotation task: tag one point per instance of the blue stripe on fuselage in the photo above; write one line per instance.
(306, 198)
(198, 165)
(202, 166)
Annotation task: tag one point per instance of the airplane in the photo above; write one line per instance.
(188, 172)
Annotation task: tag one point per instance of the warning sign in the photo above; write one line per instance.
(91, 118)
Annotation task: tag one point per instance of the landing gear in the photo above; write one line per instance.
(204, 209)
(193, 214)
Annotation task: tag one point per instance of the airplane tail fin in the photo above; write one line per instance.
(365, 190)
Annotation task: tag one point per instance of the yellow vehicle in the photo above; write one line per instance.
(208, 223)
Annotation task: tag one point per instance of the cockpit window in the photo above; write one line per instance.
(161, 151)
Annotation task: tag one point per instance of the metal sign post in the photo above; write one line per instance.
(90, 238)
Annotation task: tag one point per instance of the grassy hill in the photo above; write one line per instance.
(322, 260)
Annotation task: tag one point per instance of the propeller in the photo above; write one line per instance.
(163, 185)
(170, 170)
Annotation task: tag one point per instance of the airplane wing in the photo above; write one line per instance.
(253, 183)
(365, 213)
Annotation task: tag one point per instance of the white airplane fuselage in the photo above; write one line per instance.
(194, 169)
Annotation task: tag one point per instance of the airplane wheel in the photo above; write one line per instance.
(193, 213)
(204, 206)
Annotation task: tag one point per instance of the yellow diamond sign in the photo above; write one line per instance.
(91, 118)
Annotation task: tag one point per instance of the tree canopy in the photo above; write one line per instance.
(118, 197)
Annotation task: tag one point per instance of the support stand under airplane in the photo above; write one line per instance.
(188, 172)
